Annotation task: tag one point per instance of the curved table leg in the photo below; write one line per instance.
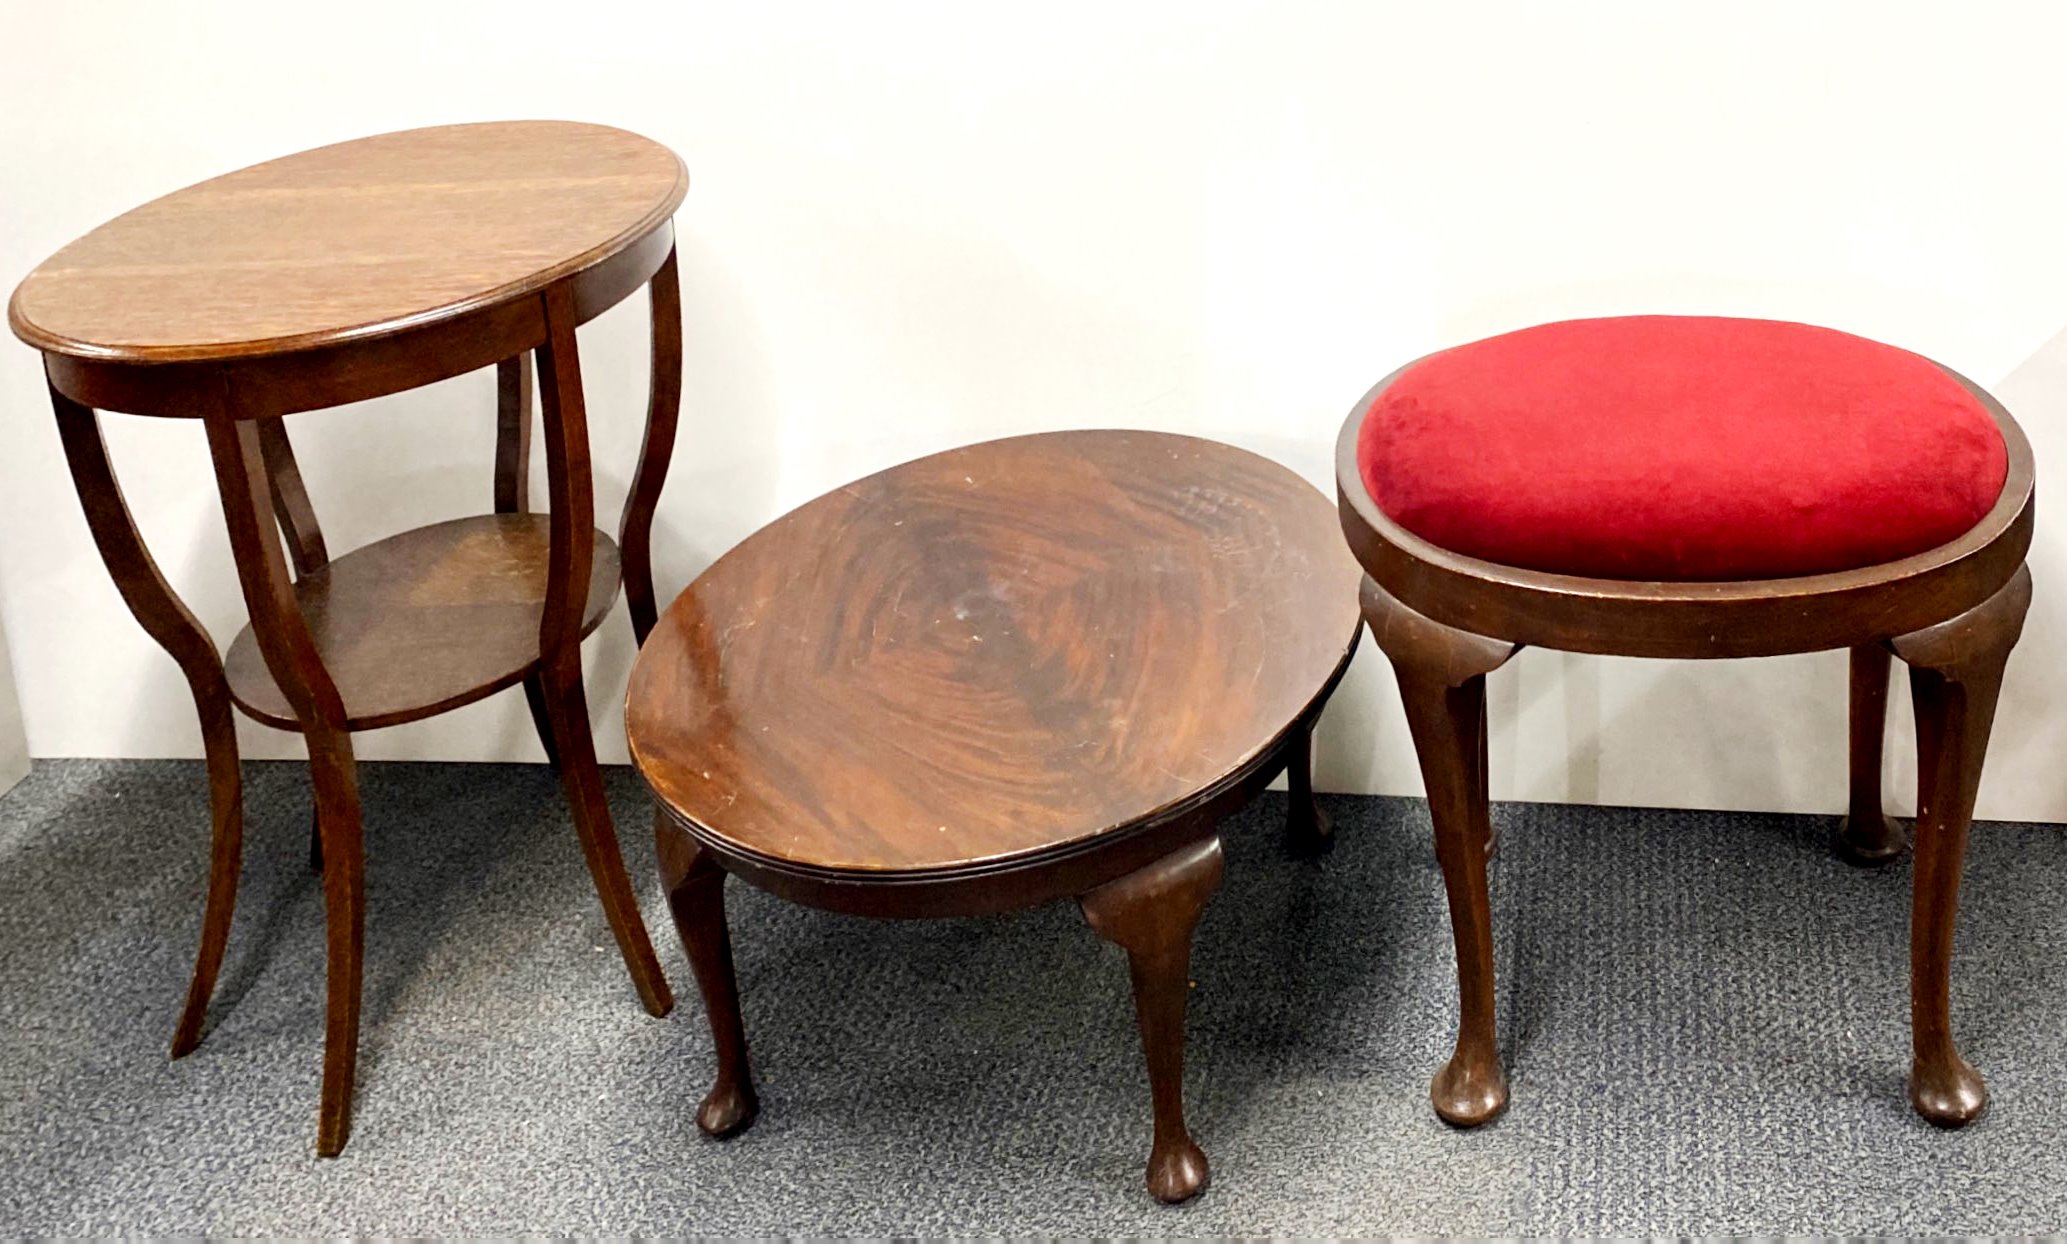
(1955, 674)
(1308, 831)
(167, 620)
(291, 657)
(1151, 914)
(663, 408)
(695, 887)
(1442, 676)
(513, 496)
(1866, 836)
(566, 701)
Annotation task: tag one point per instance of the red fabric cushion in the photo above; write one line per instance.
(1681, 448)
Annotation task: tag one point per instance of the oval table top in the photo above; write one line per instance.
(350, 242)
(999, 651)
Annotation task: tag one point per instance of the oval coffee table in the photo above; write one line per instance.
(1020, 671)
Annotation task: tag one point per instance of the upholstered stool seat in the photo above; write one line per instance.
(1678, 487)
(1681, 448)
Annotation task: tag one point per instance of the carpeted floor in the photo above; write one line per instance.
(1704, 1018)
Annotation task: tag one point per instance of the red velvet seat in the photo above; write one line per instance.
(1678, 448)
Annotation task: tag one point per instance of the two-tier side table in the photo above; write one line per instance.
(333, 276)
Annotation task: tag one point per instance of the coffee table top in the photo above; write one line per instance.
(995, 652)
(349, 242)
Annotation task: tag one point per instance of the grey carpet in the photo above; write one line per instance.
(1704, 1016)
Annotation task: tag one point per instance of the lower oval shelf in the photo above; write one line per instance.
(424, 621)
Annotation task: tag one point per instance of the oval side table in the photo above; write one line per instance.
(1038, 668)
(333, 276)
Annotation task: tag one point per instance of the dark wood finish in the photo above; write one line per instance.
(663, 410)
(168, 621)
(513, 385)
(1059, 635)
(1867, 836)
(419, 227)
(1151, 914)
(297, 668)
(1308, 830)
(1442, 676)
(292, 508)
(1952, 613)
(694, 881)
(334, 276)
(1955, 673)
(1032, 669)
(425, 621)
(561, 626)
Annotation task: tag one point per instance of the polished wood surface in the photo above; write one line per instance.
(332, 277)
(350, 242)
(1036, 668)
(993, 652)
(424, 621)
(1151, 914)
(1952, 613)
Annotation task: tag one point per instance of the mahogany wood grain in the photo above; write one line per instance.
(993, 653)
(1953, 613)
(425, 621)
(1036, 668)
(331, 277)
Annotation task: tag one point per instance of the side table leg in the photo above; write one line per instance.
(296, 666)
(571, 498)
(567, 710)
(167, 620)
(513, 495)
(695, 887)
(1151, 914)
(656, 451)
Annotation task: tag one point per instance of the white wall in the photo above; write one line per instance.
(916, 225)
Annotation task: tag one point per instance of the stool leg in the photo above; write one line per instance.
(1442, 677)
(1955, 677)
(695, 887)
(159, 610)
(1150, 913)
(1308, 831)
(1866, 836)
